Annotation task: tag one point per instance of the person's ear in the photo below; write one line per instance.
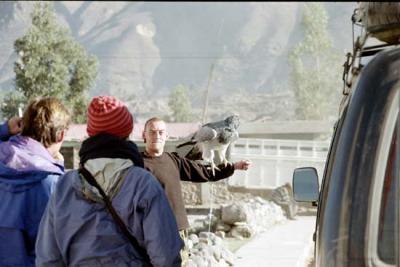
(61, 136)
(144, 137)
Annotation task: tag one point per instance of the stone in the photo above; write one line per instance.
(198, 226)
(260, 200)
(220, 234)
(242, 230)
(201, 246)
(223, 263)
(189, 244)
(233, 213)
(194, 238)
(199, 261)
(221, 226)
(204, 240)
(212, 262)
(218, 241)
(205, 235)
(228, 256)
(239, 224)
(216, 250)
(191, 263)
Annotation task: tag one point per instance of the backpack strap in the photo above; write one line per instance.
(92, 181)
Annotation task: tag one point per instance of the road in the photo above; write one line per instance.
(286, 245)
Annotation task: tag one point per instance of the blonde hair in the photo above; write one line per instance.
(44, 119)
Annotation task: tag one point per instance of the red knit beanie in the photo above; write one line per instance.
(106, 114)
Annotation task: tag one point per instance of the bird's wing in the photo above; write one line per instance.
(216, 124)
(186, 144)
(195, 153)
(205, 133)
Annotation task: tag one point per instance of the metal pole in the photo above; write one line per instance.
(204, 118)
(205, 109)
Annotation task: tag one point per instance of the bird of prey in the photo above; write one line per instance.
(215, 137)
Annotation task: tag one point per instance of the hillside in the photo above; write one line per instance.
(147, 48)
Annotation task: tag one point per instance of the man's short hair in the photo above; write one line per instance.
(154, 119)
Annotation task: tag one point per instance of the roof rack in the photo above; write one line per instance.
(380, 20)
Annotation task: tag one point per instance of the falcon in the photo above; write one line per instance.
(215, 137)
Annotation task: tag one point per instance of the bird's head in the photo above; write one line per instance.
(233, 121)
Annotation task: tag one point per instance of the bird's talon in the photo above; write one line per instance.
(225, 162)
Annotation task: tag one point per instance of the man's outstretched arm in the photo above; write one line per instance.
(193, 171)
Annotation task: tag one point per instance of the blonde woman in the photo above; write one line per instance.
(30, 163)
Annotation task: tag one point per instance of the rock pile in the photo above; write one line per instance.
(207, 249)
(251, 216)
(242, 219)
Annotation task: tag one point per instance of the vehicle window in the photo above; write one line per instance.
(387, 217)
(329, 163)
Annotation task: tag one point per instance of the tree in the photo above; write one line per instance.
(316, 67)
(51, 63)
(180, 104)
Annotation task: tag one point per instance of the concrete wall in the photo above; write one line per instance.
(273, 165)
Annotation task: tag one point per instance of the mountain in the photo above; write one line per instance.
(145, 49)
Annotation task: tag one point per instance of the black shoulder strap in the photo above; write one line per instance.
(90, 179)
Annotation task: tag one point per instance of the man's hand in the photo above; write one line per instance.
(242, 165)
(14, 125)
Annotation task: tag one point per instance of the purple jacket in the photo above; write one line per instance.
(27, 175)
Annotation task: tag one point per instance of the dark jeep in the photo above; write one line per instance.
(358, 203)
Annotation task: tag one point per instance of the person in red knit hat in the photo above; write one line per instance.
(138, 227)
(106, 114)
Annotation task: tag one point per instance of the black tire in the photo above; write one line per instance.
(382, 20)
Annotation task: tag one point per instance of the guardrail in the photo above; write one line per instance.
(273, 160)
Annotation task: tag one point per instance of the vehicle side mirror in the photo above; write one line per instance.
(305, 184)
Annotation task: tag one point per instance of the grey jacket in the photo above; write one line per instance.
(79, 231)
